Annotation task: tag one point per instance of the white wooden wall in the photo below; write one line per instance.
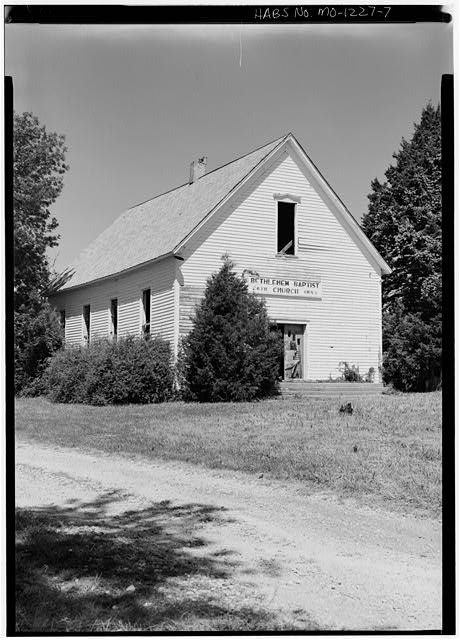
(345, 325)
(159, 277)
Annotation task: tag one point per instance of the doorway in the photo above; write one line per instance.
(293, 360)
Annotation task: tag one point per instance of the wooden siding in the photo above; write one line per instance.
(345, 325)
(159, 277)
(190, 296)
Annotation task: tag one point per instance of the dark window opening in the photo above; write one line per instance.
(114, 317)
(146, 311)
(286, 228)
(87, 322)
(62, 320)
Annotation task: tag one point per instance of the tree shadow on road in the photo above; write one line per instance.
(86, 567)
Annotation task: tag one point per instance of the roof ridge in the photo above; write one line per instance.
(280, 139)
(245, 155)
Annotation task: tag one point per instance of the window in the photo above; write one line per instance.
(114, 318)
(87, 323)
(62, 320)
(286, 228)
(146, 311)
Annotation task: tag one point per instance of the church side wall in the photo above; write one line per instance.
(127, 289)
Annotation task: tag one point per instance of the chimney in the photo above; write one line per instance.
(198, 169)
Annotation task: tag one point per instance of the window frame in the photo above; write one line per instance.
(144, 324)
(288, 199)
(113, 330)
(86, 326)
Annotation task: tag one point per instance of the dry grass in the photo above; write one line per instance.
(389, 448)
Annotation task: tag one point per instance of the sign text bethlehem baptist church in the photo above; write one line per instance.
(284, 287)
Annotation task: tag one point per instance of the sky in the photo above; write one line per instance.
(138, 103)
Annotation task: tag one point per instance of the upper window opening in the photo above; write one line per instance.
(146, 311)
(114, 317)
(286, 228)
(87, 323)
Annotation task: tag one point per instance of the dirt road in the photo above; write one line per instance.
(346, 566)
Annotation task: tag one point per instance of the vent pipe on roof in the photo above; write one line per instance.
(198, 169)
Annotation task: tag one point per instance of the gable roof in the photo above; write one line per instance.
(158, 227)
(154, 228)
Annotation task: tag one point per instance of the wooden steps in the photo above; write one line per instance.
(303, 389)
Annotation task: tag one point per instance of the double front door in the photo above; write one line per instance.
(293, 336)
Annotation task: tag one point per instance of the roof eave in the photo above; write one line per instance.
(169, 254)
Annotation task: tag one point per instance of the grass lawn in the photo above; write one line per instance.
(389, 448)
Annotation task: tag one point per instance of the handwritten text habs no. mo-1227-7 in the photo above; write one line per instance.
(324, 12)
(284, 287)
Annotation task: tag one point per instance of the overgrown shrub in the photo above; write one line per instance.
(37, 335)
(233, 351)
(131, 370)
(350, 373)
(370, 375)
(412, 351)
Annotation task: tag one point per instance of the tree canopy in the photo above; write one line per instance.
(38, 170)
(404, 223)
(404, 219)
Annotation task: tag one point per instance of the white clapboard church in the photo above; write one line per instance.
(287, 233)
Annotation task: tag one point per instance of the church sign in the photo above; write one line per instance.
(307, 288)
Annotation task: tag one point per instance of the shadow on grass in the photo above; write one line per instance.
(82, 568)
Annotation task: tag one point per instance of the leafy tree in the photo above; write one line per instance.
(38, 169)
(404, 223)
(233, 350)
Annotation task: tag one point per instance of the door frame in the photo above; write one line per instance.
(305, 349)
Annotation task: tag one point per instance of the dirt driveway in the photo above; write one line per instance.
(305, 556)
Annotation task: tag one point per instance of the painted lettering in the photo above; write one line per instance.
(300, 12)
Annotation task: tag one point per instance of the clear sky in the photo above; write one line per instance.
(138, 104)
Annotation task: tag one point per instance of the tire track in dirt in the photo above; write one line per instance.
(347, 566)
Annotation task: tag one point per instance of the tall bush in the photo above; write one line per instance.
(38, 335)
(132, 370)
(233, 350)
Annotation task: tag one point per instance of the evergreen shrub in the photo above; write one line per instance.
(233, 351)
(133, 370)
